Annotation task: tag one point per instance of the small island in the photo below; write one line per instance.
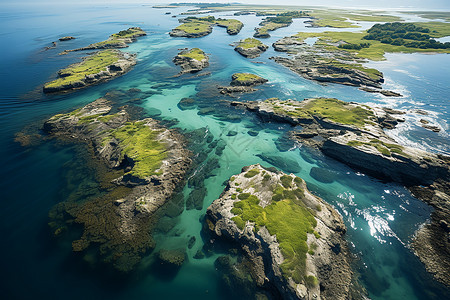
(250, 48)
(191, 60)
(294, 240)
(194, 27)
(66, 38)
(116, 40)
(98, 67)
(242, 83)
(143, 163)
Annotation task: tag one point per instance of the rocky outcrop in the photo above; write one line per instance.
(66, 38)
(250, 48)
(149, 162)
(322, 271)
(115, 41)
(191, 61)
(242, 83)
(181, 33)
(79, 75)
(363, 145)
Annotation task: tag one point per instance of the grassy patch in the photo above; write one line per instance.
(249, 43)
(384, 148)
(330, 108)
(140, 143)
(289, 221)
(377, 49)
(195, 53)
(245, 76)
(251, 173)
(194, 27)
(91, 65)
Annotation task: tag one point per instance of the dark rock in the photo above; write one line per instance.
(195, 199)
(252, 133)
(286, 164)
(66, 38)
(191, 242)
(186, 103)
(232, 133)
(322, 175)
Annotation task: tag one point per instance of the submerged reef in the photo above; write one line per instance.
(293, 240)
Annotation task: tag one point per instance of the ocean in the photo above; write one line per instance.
(381, 217)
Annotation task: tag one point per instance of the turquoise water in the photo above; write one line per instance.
(381, 218)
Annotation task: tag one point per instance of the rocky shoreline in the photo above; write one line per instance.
(191, 60)
(95, 68)
(149, 160)
(322, 271)
(250, 48)
(242, 83)
(353, 134)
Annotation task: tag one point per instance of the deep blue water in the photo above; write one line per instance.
(381, 218)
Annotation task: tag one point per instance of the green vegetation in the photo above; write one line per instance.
(384, 148)
(91, 65)
(289, 220)
(376, 49)
(203, 24)
(339, 18)
(249, 43)
(140, 143)
(245, 76)
(330, 108)
(118, 39)
(195, 53)
(194, 27)
(251, 173)
(407, 34)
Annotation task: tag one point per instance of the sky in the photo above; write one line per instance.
(377, 4)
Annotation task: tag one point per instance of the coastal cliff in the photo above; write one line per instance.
(146, 161)
(294, 240)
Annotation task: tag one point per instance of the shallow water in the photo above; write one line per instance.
(381, 218)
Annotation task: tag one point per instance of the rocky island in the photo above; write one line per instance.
(337, 57)
(250, 47)
(116, 40)
(242, 83)
(293, 239)
(144, 163)
(191, 60)
(194, 27)
(95, 68)
(353, 134)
